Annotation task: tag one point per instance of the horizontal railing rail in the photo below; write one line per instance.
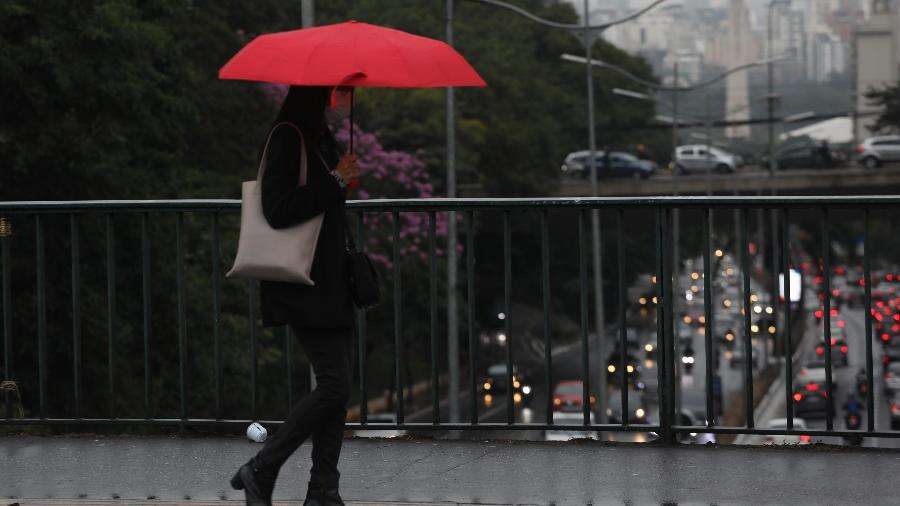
(36, 217)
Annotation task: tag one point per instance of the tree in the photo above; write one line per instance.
(888, 100)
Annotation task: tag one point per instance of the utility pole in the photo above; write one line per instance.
(308, 13)
(595, 222)
(452, 316)
(676, 267)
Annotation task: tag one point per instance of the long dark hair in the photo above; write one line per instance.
(304, 106)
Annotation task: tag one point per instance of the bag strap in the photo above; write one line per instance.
(350, 244)
(303, 164)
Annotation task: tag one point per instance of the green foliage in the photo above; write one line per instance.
(888, 99)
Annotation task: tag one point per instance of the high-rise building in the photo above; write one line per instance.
(876, 58)
(737, 85)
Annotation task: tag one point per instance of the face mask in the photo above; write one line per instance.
(339, 106)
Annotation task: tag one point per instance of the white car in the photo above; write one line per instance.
(874, 151)
(564, 418)
(781, 439)
(892, 378)
(701, 158)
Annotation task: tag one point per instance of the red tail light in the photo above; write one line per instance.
(895, 327)
(880, 303)
(844, 349)
(812, 387)
(820, 313)
(885, 337)
(833, 341)
(895, 409)
(820, 350)
(879, 317)
(804, 438)
(834, 312)
(798, 397)
(841, 324)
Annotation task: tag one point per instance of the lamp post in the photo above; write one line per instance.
(587, 34)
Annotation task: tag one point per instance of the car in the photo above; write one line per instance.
(638, 411)
(701, 158)
(892, 378)
(564, 418)
(839, 351)
(895, 414)
(568, 396)
(376, 419)
(814, 372)
(891, 356)
(782, 439)
(812, 401)
(875, 151)
(621, 164)
(613, 374)
(805, 156)
(496, 383)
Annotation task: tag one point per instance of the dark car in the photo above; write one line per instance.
(839, 351)
(620, 165)
(812, 401)
(805, 156)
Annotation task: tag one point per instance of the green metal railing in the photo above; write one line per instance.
(36, 215)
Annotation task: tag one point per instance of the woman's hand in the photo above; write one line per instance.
(347, 168)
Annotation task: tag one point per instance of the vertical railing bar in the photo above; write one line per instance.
(623, 331)
(870, 368)
(253, 348)
(146, 296)
(361, 332)
(708, 324)
(182, 323)
(111, 310)
(289, 366)
(7, 317)
(669, 301)
(748, 311)
(76, 311)
(216, 285)
(42, 316)
(398, 316)
(583, 310)
(661, 354)
(788, 344)
(545, 295)
(507, 294)
(826, 320)
(433, 319)
(470, 295)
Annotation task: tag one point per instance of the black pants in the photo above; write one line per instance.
(322, 413)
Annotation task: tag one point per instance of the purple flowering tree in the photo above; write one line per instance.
(392, 174)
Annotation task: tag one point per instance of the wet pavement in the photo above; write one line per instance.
(124, 470)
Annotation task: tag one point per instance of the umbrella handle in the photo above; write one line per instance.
(351, 120)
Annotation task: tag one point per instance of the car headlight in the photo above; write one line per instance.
(639, 413)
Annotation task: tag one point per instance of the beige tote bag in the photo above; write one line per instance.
(269, 254)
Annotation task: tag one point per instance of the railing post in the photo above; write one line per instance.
(665, 422)
(5, 238)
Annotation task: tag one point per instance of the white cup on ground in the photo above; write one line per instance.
(257, 432)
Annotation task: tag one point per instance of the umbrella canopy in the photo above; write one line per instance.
(351, 54)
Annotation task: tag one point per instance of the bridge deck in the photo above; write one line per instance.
(96, 470)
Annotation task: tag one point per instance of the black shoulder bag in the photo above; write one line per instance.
(364, 282)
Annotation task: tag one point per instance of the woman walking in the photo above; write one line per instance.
(320, 316)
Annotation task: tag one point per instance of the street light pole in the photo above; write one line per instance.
(597, 255)
(452, 316)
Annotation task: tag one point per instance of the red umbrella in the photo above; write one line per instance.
(351, 54)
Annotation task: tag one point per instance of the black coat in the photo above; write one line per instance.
(328, 303)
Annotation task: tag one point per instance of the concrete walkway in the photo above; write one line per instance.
(136, 470)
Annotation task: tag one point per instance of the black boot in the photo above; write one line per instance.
(256, 481)
(322, 496)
